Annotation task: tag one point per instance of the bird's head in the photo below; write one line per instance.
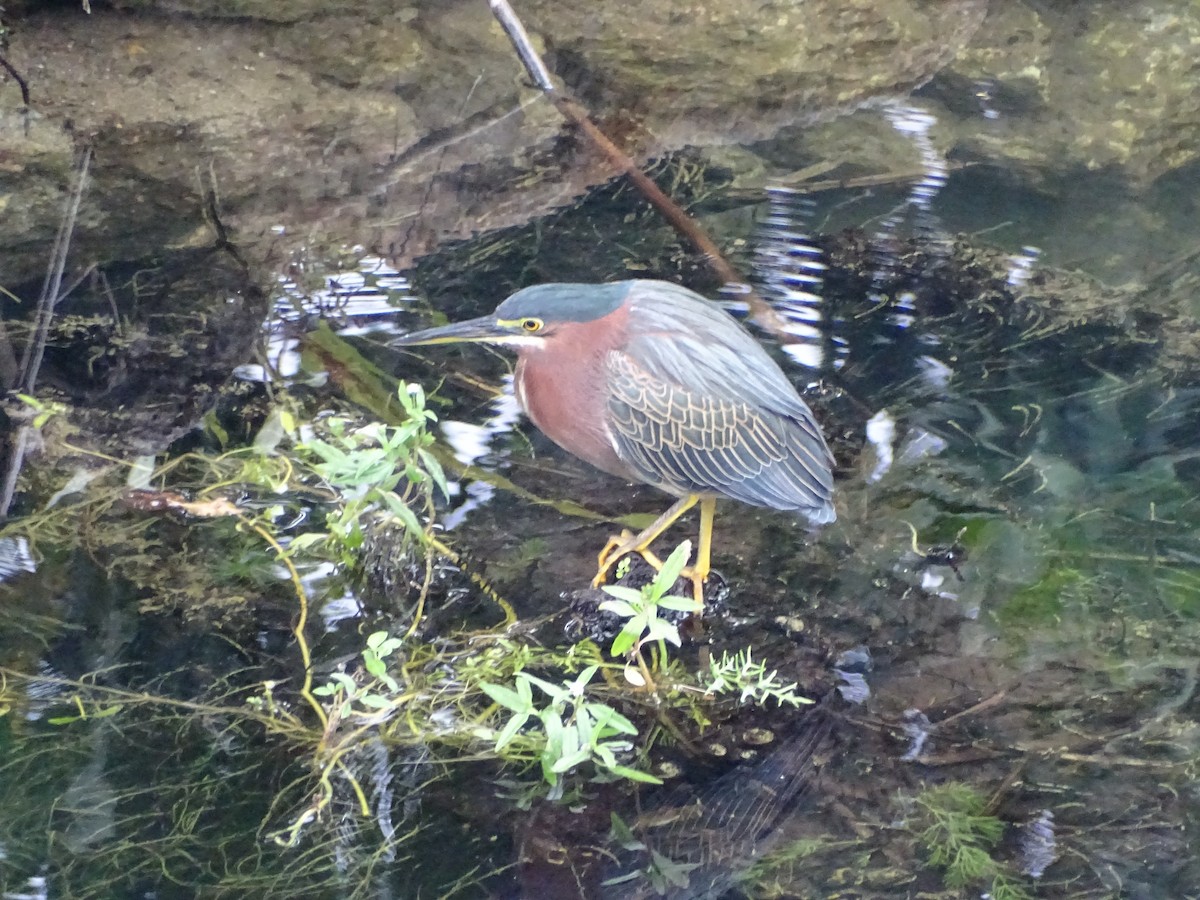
(530, 318)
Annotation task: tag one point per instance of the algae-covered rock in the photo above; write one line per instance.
(328, 124)
(721, 72)
(264, 10)
(1093, 87)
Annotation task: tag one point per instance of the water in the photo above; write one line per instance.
(989, 282)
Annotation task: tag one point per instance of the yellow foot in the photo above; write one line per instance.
(620, 546)
(617, 547)
(616, 542)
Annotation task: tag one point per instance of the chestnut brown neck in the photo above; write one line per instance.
(562, 387)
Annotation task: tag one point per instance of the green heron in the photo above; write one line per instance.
(650, 382)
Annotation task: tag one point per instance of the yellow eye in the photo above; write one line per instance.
(532, 325)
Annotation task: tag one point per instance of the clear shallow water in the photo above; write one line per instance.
(1050, 432)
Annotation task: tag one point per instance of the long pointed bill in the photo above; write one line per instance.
(481, 330)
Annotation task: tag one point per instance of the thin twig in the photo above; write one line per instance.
(16, 456)
(520, 40)
(31, 360)
(21, 82)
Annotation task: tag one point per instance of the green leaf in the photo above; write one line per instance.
(631, 876)
(606, 755)
(623, 593)
(214, 427)
(623, 834)
(344, 680)
(374, 665)
(624, 641)
(577, 686)
(306, 540)
(566, 763)
(524, 690)
(507, 698)
(375, 701)
(375, 638)
(618, 607)
(634, 775)
(674, 872)
(382, 643)
(510, 730)
(661, 630)
(554, 730)
(570, 742)
(585, 726)
(607, 717)
(554, 691)
(672, 568)
(405, 515)
(271, 433)
(434, 468)
(680, 604)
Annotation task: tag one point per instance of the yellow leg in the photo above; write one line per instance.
(640, 543)
(699, 571)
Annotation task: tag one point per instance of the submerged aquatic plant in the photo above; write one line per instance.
(959, 835)
(566, 730)
(378, 468)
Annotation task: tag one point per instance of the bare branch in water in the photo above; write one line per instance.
(760, 310)
(520, 40)
(21, 82)
(31, 359)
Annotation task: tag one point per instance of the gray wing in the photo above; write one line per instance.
(688, 441)
(684, 339)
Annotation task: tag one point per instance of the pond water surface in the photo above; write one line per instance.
(990, 286)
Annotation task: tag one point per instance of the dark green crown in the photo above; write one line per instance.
(564, 302)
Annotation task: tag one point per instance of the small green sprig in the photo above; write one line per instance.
(378, 467)
(566, 729)
(640, 609)
(741, 673)
(959, 835)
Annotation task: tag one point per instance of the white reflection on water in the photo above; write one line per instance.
(790, 271)
(881, 433)
(916, 124)
(15, 557)
(360, 301)
(1020, 266)
(472, 442)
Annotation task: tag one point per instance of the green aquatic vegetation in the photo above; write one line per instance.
(662, 872)
(959, 834)
(486, 696)
(777, 873)
(377, 468)
(345, 692)
(643, 625)
(565, 729)
(1042, 602)
(750, 679)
